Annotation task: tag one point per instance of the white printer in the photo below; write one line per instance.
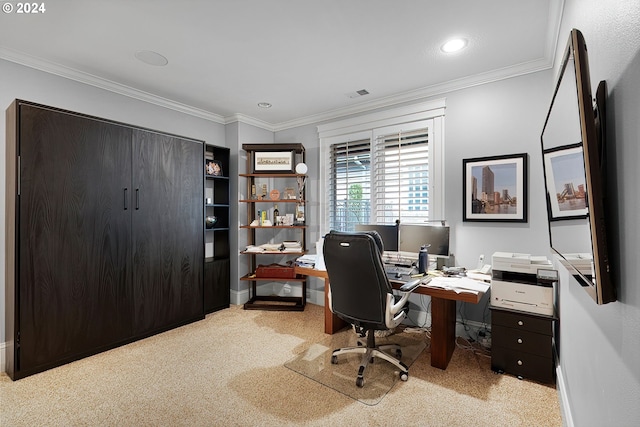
(523, 282)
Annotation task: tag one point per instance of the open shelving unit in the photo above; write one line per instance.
(260, 234)
(217, 262)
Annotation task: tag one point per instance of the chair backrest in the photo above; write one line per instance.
(359, 284)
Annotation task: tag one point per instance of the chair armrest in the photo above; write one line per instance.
(405, 290)
(410, 286)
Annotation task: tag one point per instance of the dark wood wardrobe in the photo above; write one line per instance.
(104, 235)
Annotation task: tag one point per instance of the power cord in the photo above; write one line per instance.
(474, 347)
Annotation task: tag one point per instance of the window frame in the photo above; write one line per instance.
(428, 115)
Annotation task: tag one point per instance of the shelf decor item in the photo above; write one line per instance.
(299, 214)
(289, 194)
(210, 221)
(213, 167)
(273, 161)
(301, 170)
(495, 188)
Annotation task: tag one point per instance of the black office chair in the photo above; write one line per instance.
(360, 293)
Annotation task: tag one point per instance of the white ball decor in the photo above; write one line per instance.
(301, 168)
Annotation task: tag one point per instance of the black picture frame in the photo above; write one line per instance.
(282, 161)
(481, 177)
(565, 174)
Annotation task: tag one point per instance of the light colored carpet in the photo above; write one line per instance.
(228, 370)
(380, 377)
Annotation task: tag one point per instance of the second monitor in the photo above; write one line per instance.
(413, 236)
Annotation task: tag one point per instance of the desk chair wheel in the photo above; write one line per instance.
(360, 382)
(334, 360)
(404, 376)
(399, 354)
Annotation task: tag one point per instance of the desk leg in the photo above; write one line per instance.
(443, 331)
(332, 323)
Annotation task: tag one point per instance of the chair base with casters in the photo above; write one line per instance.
(369, 352)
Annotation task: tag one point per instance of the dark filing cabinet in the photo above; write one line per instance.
(522, 344)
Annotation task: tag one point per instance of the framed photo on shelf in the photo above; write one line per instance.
(565, 176)
(289, 193)
(213, 167)
(273, 161)
(495, 188)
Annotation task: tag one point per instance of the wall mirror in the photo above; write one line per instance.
(573, 141)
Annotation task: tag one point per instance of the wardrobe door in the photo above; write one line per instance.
(168, 231)
(73, 237)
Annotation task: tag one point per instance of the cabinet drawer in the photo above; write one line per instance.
(522, 340)
(522, 364)
(523, 321)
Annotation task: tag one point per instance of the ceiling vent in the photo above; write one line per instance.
(358, 93)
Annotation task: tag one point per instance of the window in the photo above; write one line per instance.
(349, 184)
(380, 171)
(401, 177)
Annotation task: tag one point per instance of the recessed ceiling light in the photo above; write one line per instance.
(264, 105)
(454, 45)
(151, 58)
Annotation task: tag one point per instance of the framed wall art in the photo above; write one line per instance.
(273, 161)
(566, 182)
(495, 188)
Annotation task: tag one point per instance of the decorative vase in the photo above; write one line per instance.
(210, 221)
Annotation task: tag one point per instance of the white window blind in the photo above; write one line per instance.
(401, 177)
(349, 184)
(395, 156)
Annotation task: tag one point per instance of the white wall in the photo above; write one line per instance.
(600, 345)
(241, 133)
(504, 117)
(32, 85)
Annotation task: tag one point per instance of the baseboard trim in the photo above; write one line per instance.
(565, 408)
(3, 360)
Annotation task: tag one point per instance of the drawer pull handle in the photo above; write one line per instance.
(519, 362)
(520, 323)
(519, 340)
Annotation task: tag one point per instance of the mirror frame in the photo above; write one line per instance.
(598, 285)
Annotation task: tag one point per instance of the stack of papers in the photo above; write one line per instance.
(308, 261)
(292, 247)
(458, 284)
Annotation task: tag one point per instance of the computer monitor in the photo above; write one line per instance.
(413, 236)
(389, 234)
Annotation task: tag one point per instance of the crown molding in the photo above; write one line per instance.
(241, 118)
(90, 79)
(422, 93)
(364, 107)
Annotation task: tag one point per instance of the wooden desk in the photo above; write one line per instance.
(443, 315)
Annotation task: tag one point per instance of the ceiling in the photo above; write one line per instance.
(305, 57)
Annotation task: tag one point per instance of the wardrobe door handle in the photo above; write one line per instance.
(137, 198)
(126, 205)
